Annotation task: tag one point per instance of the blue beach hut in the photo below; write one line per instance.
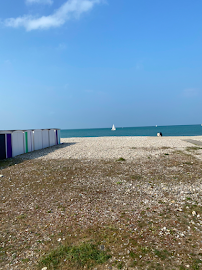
(57, 136)
(5, 144)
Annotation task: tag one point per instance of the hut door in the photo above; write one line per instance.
(2, 146)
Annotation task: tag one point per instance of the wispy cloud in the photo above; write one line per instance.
(69, 10)
(46, 2)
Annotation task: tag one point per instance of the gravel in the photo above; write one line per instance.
(113, 147)
(138, 197)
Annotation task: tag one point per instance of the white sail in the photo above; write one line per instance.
(113, 127)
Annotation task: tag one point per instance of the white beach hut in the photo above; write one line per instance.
(52, 137)
(17, 142)
(18, 146)
(38, 141)
(45, 138)
(5, 144)
(29, 141)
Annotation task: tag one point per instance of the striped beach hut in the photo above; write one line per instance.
(5, 144)
(38, 141)
(18, 146)
(45, 138)
(29, 141)
(17, 142)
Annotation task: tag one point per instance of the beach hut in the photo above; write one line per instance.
(45, 138)
(2, 146)
(52, 137)
(38, 141)
(29, 140)
(18, 146)
(5, 144)
(17, 142)
(58, 135)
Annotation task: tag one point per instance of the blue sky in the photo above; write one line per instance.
(94, 63)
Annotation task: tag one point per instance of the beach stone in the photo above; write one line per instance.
(1, 175)
(102, 247)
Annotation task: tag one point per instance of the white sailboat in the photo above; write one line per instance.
(113, 127)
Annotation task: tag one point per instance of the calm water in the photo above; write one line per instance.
(189, 130)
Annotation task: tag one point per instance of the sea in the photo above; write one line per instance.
(177, 130)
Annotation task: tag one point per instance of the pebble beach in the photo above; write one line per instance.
(136, 201)
(114, 147)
